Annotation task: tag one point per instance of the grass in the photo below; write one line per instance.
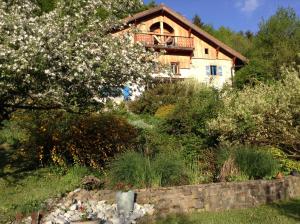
(25, 192)
(278, 213)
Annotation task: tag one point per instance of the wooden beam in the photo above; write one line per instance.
(190, 32)
(217, 52)
(234, 61)
(161, 27)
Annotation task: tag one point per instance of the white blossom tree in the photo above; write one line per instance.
(66, 58)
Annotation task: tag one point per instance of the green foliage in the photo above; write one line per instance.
(130, 169)
(239, 163)
(27, 191)
(166, 168)
(263, 115)
(192, 146)
(240, 41)
(278, 39)
(170, 168)
(46, 5)
(253, 73)
(102, 13)
(89, 140)
(193, 112)
(151, 142)
(143, 7)
(286, 165)
(11, 134)
(254, 163)
(275, 45)
(160, 95)
(227, 167)
(236, 40)
(238, 177)
(197, 21)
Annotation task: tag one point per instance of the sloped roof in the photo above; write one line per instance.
(188, 23)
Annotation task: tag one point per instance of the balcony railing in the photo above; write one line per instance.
(165, 41)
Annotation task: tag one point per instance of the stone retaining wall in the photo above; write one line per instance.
(208, 197)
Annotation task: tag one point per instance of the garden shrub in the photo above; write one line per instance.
(130, 169)
(192, 113)
(152, 141)
(262, 115)
(97, 138)
(195, 151)
(255, 163)
(286, 165)
(133, 169)
(170, 169)
(164, 111)
(90, 139)
(160, 95)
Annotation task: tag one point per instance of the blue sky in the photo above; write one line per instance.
(235, 14)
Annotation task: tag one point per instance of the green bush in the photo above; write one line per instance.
(47, 5)
(160, 95)
(130, 169)
(256, 163)
(262, 115)
(192, 113)
(151, 142)
(170, 169)
(286, 165)
(11, 134)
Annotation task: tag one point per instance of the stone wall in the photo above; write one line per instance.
(209, 197)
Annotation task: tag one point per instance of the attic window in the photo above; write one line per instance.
(206, 50)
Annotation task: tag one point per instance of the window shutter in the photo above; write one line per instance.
(220, 72)
(207, 70)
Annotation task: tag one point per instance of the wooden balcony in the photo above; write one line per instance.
(166, 42)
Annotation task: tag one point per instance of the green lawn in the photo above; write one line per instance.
(279, 213)
(24, 192)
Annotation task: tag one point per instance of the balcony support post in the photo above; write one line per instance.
(161, 27)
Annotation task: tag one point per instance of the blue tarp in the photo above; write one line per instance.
(126, 93)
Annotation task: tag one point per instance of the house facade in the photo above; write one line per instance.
(190, 52)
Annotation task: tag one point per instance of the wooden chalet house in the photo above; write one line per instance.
(190, 51)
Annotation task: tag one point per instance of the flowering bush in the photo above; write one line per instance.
(66, 58)
(263, 115)
(90, 140)
(164, 111)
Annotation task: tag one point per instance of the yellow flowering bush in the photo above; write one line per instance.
(164, 111)
(90, 139)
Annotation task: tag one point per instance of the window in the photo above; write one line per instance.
(175, 68)
(213, 70)
(206, 50)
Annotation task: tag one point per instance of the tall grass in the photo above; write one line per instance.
(133, 170)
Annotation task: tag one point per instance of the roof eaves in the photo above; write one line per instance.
(189, 24)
